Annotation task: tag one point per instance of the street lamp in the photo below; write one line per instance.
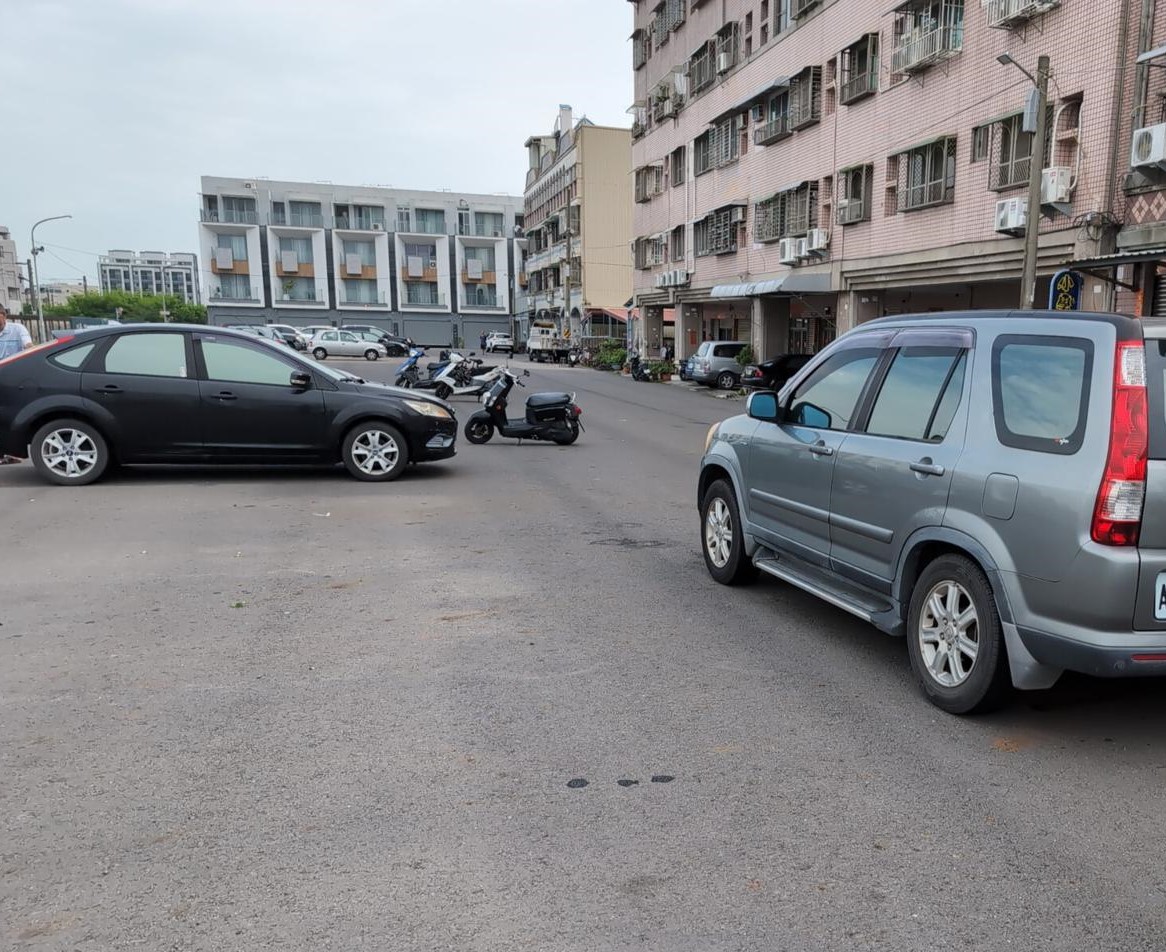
(1032, 216)
(40, 316)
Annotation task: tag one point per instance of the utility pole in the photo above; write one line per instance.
(1036, 164)
(40, 315)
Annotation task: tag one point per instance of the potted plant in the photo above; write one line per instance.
(661, 370)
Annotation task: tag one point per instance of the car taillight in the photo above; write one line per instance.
(1117, 517)
(32, 350)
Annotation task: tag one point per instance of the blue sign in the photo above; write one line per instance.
(1065, 291)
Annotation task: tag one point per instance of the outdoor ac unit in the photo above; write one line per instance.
(802, 248)
(787, 250)
(723, 62)
(1011, 215)
(1149, 147)
(737, 215)
(818, 240)
(681, 276)
(1056, 185)
(661, 279)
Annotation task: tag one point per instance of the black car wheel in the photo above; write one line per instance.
(375, 451)
(70, 453)
(722, 540)
(371, 354)
(479, 431)
(319, 353)
(727, 380)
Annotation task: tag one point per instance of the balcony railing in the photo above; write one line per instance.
(924, 195)
(228, 217)
(852, 210)
(858, 86)
(917, 50)
(1005, 13)
(487, 305)
(772, 131)
(1010, 174)
(486, 277)
(360, 224)
(364, 300)
(302, 297)
(415, 299)
(298, 219)
(233, 297)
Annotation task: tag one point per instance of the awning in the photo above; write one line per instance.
(1119, 258)
(1156, 53)
(925, 142)
(796, 282)
(776, 83)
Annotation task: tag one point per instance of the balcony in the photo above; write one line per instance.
(417, 298)
(238, 266)
(232, 297)
(427, 272)
(377, 300)
(228, 217)
(917, 50)
(312, 298)
(359, 224)
(298, 219)
(1003, 14)
(774, 130)
(488, 304)
(858, 87)
(485, 277)
(305, 269)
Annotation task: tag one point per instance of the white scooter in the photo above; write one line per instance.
(462, 376)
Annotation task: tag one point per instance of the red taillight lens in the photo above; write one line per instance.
(1117, 517)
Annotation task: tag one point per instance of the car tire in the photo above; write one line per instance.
(478, 431)
(319, 353)
(953, 616)
(727, 380)
(375, 451)
(69, 452)
(572, 434)
(371, 354)
(722, 540)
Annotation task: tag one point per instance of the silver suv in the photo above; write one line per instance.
(990, 484)
(715, 363)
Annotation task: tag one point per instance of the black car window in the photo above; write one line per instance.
(237, 363)
(827, 398)
(147, 355)
(948, 403)
(910, 392)
(74, 357)
(727, 350)
(1040, 391)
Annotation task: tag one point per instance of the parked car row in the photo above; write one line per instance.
(349, 340)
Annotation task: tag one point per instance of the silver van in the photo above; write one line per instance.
(990, 484)
(715, 363)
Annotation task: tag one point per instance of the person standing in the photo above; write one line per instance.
(13, 339)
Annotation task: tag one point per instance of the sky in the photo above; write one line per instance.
(113, 109)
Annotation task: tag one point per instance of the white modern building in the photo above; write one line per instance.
(151, 272)
(436, 266)
(10, 275)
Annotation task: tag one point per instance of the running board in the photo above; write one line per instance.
(826, 586)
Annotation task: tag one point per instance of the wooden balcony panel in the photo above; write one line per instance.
(306, 269)
(427, 274)
(488, 277)
(239, 267)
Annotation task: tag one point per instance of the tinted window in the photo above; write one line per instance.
(348, 338)
(910, 392)
(833, 389)
(727, 350)
(1040, 388)
(238, 363)
(74, 357)
(945, 412)
(147, 355)
(704, 349)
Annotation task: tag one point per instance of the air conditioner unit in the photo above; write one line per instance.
(682, 276)
(1148, 149)
(1056, 185)
(818, 240)
(660, 280)
(802, 248)
(737, 215)
(1011, 215)
(724, 62)
(787, 250)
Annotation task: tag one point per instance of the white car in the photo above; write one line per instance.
(334, 343)
(498, 341)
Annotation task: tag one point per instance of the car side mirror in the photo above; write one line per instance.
(807, 414)
(763, 405)
(300, 380)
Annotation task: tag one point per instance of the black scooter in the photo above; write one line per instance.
(549, 416)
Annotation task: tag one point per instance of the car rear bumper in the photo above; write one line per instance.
(1128, 654)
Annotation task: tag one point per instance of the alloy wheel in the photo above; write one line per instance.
(949, 633)
(69, 453)
(718, 532)
(375, 452)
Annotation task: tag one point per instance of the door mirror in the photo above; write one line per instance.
(807, 414)
(762, 405)
(300, 380)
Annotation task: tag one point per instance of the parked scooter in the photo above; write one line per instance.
(463, 375)
(408, 374)
(640, 369)
(549, 416)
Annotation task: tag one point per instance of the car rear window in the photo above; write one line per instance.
(74, 357)
(727, 350)
(1040, 391)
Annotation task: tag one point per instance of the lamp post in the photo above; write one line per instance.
(1035, 163)
(40, 316)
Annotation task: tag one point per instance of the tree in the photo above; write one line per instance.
(134, 308)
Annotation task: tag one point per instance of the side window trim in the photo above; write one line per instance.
(879, 378)
(955, 364)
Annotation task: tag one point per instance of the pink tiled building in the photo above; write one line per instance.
(804, 165)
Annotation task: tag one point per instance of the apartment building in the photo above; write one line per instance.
(10, 274)
(578, 196)
(804, 165)
(433, 265)
(150, 272)
(56, 293)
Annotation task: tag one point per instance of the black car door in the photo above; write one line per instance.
(143, 379)
(251, 410)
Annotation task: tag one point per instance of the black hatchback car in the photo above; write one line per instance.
(171, 393)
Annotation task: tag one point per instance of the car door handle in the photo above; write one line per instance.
(821, 449)
(927, 467)
(109, 388)
(225, 395)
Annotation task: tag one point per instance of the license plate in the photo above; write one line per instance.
(1160, 597)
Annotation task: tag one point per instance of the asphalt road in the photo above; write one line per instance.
(244, 711)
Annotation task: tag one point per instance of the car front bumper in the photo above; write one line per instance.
(434, 439)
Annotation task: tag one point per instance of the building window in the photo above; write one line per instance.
(720, 146)
(926, 32)
(926, 175)
(649, 182)
(649, 251)
(860, 70)
(980, 143)
(781, 17)
(716, 233)
(677, 243)
(403, 222)
(677, 163)
(639, 49)
(805, 97)
(728, 46)
(1012, 154)
(702, 68)
(776, 123)
(305, 214)
(787, 214)
(854, 194)
(431, 221)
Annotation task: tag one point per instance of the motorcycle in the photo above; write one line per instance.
(549, 416)
(460, 376)
(407, 374)
(640, 370)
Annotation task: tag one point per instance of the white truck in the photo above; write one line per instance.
(546, 343)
